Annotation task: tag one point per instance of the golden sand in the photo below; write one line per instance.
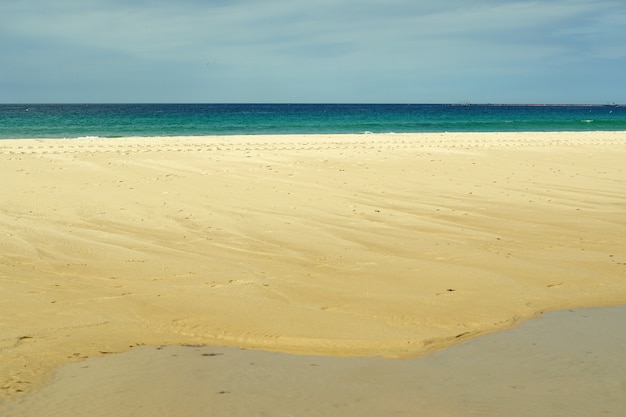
(355, 245)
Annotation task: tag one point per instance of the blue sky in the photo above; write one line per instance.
(400, 51)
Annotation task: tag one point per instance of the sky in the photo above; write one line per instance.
(313, 51)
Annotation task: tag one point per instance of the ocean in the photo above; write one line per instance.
(119, 120)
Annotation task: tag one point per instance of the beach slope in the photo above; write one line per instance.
(347, 245)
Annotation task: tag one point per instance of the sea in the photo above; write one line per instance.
(160, 120)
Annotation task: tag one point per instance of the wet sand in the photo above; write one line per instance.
(563, 364)
(362, 245)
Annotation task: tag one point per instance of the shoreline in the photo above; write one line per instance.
(365, 134)
(346, 245)
(565, 363)
(329, 134)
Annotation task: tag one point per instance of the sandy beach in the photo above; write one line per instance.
(392, 245)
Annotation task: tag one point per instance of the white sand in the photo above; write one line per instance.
(391, 245)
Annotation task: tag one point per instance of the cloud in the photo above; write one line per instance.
(334, 49)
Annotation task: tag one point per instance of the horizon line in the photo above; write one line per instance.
(613, 104)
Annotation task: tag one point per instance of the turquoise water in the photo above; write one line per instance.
(119, 120)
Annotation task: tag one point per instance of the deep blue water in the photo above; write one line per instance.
(118, 120)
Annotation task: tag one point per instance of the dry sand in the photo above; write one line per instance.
(362, 245)
(570, 363)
